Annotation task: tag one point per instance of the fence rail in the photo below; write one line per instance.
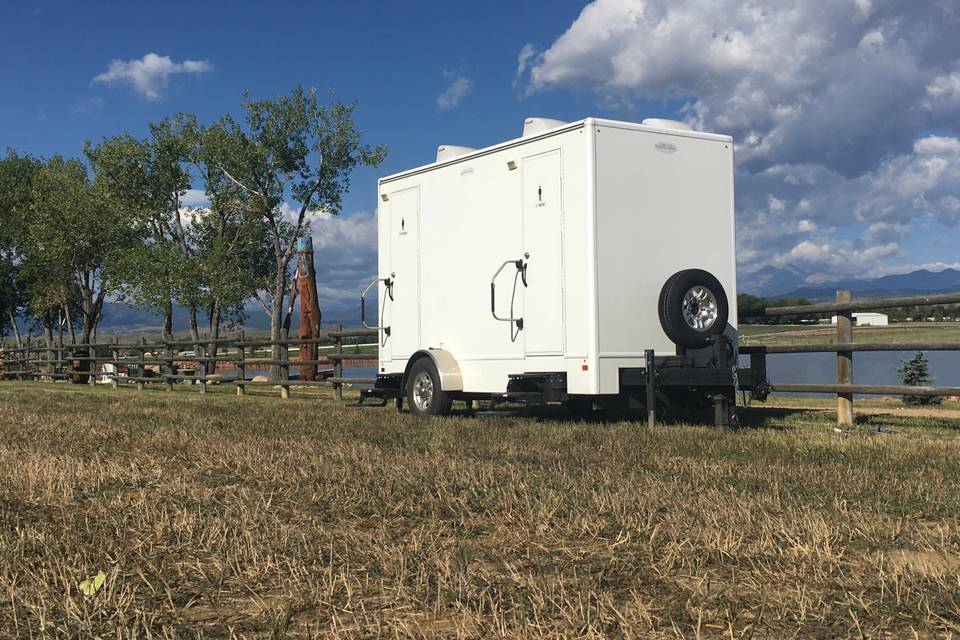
(177, 361)
(845, 347)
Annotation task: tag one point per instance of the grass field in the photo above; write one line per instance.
(751, 334)
(224, 517)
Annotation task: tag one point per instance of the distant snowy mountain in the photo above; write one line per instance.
(771, 282)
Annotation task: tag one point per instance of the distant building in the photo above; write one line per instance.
(867, 319)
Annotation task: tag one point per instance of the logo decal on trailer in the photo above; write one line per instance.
(665, 147)
(403, 226)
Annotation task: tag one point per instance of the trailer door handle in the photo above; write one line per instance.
(363, 301)
(522, 273)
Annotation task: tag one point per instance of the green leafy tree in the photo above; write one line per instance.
(231, 239)
(292, 149)
(71, 233)
(149, 179)
(915, 372)
(16, 181)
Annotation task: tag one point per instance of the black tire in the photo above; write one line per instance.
(671, 308)
(438, 402)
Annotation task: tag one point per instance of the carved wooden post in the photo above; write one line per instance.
(844, 361)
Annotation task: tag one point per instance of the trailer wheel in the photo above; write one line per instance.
(693, 308)
(425, 396)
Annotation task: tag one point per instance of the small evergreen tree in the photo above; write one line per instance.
(915, 372)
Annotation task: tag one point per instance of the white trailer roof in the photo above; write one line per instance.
(572, 126)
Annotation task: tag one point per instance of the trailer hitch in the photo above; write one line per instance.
(521, 267)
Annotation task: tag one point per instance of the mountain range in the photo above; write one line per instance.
(791, 282)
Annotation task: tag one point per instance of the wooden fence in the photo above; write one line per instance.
(169, 362)
(845, 347)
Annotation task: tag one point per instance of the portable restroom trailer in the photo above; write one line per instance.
(591, 263)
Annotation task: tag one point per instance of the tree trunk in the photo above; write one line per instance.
(16, 329)
(276, 323)
(69, 318)
(167, 329)
(215, 315)
(195, 336)
(48, 337)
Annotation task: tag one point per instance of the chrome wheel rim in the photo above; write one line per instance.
(422, 391)
(699, 308)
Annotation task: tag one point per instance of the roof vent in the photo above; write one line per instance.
(533, 126)
(449, 152)
(664, 123)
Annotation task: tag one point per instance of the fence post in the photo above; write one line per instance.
(141, 356)
(844, 360)
(201, 371)
(168, 369)
(92, 353)
(338, 363)
(241, 362)
(58, 367)
(284, 371)
(115, 352)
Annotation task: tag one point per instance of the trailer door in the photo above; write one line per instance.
(402, 312)
(543, 241)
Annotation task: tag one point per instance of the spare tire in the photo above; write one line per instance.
(693, 308)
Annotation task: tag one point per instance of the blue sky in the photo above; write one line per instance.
(844, 111)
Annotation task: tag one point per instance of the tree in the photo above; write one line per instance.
(16, 181)
(149, 178)
(72, 232)
(230, 238)
(269, 157)
(915, 372)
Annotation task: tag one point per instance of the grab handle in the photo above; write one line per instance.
(521, 267)
(363, 301)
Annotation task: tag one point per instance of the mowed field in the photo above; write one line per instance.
(218, 516)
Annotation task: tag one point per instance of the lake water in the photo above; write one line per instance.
(869, 367)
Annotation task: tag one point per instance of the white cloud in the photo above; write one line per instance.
(943, 92)
(830, 102)
(459, 87)
(346, 256)
(195, 198)
(524, 58)
(151, 74)
(884, 232)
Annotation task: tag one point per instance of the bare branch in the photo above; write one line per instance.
(240, 184)
(263, 305)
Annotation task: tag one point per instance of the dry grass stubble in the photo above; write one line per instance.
(223, 516)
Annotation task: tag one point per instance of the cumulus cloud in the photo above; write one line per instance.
(459, 87)
(831, 103)
(524, 58)
(943, 92)
(345, 249)
(150, 75)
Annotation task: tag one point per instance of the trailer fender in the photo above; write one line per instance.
(447, 367)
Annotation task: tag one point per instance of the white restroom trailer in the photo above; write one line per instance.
(573, 264)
